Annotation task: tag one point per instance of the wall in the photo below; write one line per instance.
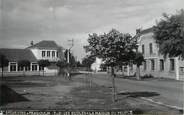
(181, 65)
(146, 39)
(29, 73)
(47, 72)
(38, 54)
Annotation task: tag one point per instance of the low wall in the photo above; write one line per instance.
(29, 73)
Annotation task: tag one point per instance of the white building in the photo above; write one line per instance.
(155, 64)
(46, 50)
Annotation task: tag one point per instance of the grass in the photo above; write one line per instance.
(95, 98)
(8, 96)
(100, 98)
(57, 93)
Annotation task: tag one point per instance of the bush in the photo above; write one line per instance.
(147, 76)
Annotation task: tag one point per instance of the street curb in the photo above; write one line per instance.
(161, 103)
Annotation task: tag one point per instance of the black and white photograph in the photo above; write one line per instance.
(93, 57)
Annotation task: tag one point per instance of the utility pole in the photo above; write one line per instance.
(71, 43)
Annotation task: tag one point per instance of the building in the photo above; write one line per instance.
(46, 50)
(155, 64)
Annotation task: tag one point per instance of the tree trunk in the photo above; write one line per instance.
(123, 71)
(43, 71)
(128, 70)
(24, 71)
(138, 73)
(113, 84)
(2, 71)
(60, 71)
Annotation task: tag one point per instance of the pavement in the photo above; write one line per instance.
(170, 92)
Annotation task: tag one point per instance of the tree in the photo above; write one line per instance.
(72, 59)
(3, 63)
(103, 67)
(23, 64)
(72, 62)
(138, 59)
(62, 64)
(114, 48)
(169, 34)
(78, 63)
(43, 63)
(88, 61)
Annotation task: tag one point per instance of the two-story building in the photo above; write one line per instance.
(155, 64)
(44, 50)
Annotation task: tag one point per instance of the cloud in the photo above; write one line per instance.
(24, 20)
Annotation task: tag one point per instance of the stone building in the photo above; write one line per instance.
(155, 64)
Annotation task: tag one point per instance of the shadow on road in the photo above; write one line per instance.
(7, 95)
(139, 94)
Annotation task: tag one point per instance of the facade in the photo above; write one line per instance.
(155, 64)
(46, 50)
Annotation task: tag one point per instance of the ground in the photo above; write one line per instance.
(83, 92)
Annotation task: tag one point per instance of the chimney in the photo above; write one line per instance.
(32, 43)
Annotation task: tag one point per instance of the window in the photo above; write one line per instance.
(161, 64)
(152, 64)
(144, 64)
(142, 49)
(43, 53)
(34, 67)
(172, 64)
(182, 69)
(53, 53)
(151, 48)
(48, 53)
(57, 54)
(13, 67)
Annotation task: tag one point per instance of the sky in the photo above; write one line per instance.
(22, 21)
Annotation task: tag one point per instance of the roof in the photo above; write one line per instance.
(145, 31)
(18, 54)
(45, 44)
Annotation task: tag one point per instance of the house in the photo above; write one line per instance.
(46, 50)
(155, 64)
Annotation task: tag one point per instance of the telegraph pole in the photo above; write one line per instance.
(71, 43)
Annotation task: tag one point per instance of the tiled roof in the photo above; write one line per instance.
(45, 44)
(18, 54)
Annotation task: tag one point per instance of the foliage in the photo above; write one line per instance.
(103, 67)
(24, 63)
(114, 48)
(88, 60)
(72, 60)
(138, 59)
(78, 63)
(3, 61)
(169, 35)
(61, 64)
(43, 63)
